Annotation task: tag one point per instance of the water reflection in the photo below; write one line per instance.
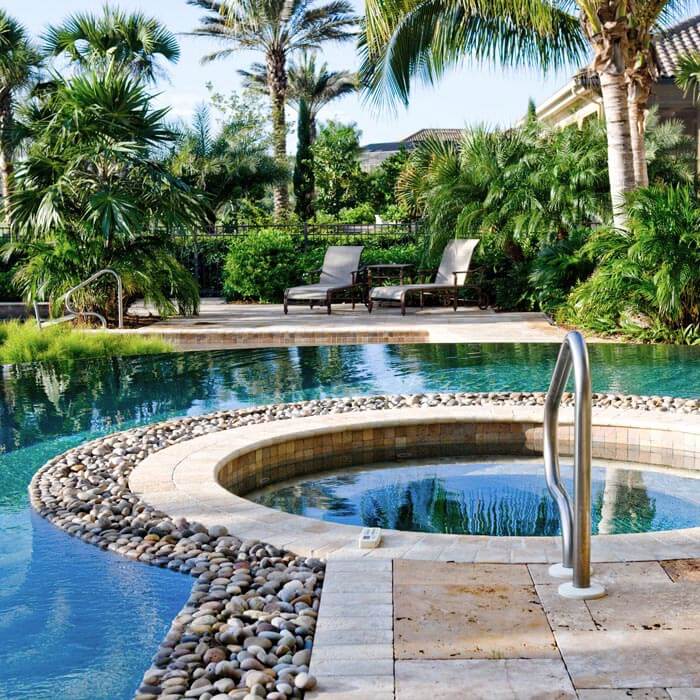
(506, 499)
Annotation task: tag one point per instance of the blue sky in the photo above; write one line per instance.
(472, 94)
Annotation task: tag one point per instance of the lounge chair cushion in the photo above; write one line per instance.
(339, 263)
(394, 293)
(311, 291)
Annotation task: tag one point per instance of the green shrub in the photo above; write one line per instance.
(359, 214)
(647, 280)
(26, 342)
(261, 265)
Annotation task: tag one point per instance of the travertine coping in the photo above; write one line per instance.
(184, 480)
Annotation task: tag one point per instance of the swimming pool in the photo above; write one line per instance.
(503, 497)
(77, 622)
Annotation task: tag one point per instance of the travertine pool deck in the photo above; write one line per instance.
(220, 325)
(454, 616)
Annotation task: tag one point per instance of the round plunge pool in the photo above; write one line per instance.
(486, 496)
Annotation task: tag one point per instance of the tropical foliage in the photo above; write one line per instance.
(92, 196)
(533, 195)
(278, 29)
(229, 165)
(114, 39)
(647, 278)
(19, 64)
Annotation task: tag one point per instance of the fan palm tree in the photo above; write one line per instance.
(308, 81)
(19, 62)
(278, 29)
(133, 41)
(90, 195)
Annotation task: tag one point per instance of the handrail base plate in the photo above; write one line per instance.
(561, 571)
(593, 591)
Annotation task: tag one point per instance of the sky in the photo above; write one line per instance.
(471, 94)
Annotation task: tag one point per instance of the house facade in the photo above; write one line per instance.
(580, 98)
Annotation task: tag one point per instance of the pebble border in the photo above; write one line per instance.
(246, 631)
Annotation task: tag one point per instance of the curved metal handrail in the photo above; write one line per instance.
(89, 280)
(576, 519)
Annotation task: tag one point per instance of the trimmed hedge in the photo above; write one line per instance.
(261, 265)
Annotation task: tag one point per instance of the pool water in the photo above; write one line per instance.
(77, 622)
(500, 497)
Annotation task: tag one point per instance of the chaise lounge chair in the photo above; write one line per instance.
(450, 279)
(338, 274)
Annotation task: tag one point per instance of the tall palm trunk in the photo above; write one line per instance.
(637, 110)
(277, 87)
(617, 125)
(640, 78)
(6, 152)
(606, 27)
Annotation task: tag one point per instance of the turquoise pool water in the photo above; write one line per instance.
(485, 497)
(76, 622)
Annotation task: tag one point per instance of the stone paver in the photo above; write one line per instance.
(354, 638)
(486, 611)
(483, 679)
(222, 325)
(683, 569)
(684, 693)
(624, 694)
(631, 659)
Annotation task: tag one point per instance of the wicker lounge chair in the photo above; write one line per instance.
(450, 279)
(339, 274)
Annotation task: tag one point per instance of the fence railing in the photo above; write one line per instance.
(204, 251)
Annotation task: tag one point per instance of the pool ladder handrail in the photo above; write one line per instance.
(575, 518)
(73, 313)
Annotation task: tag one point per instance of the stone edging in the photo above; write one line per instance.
(247, 629)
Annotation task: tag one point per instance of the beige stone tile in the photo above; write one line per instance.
(348, 652)
(564, 613)
(357, 609)
(342, 622)
(495, 620)
(624, 694)
(330, 637)
(352, 687)
(359, 666)
(645, 572)
(647, 659)
(636, 605)
(684, 693)
(499, 679)
(428, 573)
(682, 569)
(355, 599)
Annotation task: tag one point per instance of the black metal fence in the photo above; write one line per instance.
(204, 252)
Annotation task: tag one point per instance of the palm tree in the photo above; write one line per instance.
(225, 166)
(19, 62)
(424, 37)
(312, 83)
(278, 29)
(648, 19)
(133, 41)
(90, 194)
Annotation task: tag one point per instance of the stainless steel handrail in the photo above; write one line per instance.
(92, 278)
(576, 519)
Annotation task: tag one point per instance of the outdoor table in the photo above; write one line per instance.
(381, 272)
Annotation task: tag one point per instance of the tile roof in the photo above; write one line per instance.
(677, 40)
(442, 134)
